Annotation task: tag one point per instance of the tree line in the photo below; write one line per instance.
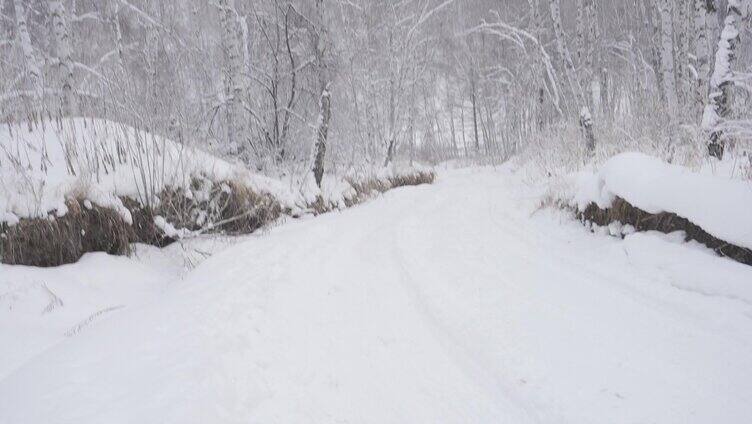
(285, 85)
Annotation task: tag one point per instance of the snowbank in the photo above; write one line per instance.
(102, 161)
(75, 186)
(720, 206)
(41, 165)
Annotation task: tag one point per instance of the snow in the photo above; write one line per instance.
(115, 161)
(111, 160)
(721, 206)
(585, 115)
(457, 302)
(169, 230)
(38, 306)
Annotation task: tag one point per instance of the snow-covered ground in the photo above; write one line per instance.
(457, 302)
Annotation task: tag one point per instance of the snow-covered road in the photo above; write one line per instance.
(451, 303)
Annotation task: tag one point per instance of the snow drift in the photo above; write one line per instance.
(649, 189)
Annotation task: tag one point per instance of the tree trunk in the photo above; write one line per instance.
(475, 119)
(681, 30)
(594, 59)
(561, 46)
(293, 89)
(30, 63)
(391, 148)
(580, 46)
(722, 81)
(653, 26)
(65, 65)
(586, 122)
(115, 19)
(667, 58)
(325, 105)
(462, 126)
(450, 109)
(703, 9)
(233, 79)
(319, 38)
(537, 26)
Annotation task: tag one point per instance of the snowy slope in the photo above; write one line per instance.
(450, 303)
(721, 206)
(100, 161)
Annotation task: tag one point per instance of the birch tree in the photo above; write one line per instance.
(561, 46)
(681, 36)
(586, 118)
(321, 45)
(722, 80)
(31, 67)
(64, 57)
(703, 8)
(580, 45)
(259, 81)
(667, 57)
(594, 64)
(233, 78)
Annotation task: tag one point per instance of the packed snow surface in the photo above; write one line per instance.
(453, 303)
(720, 206)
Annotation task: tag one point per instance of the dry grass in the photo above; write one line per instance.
(369, 187)
(226, 207)
(61, 240)
(53, 241)
(412, 179)
(243, 211)
(665, 222)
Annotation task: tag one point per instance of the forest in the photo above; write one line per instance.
(274, 84)
(375, 211)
